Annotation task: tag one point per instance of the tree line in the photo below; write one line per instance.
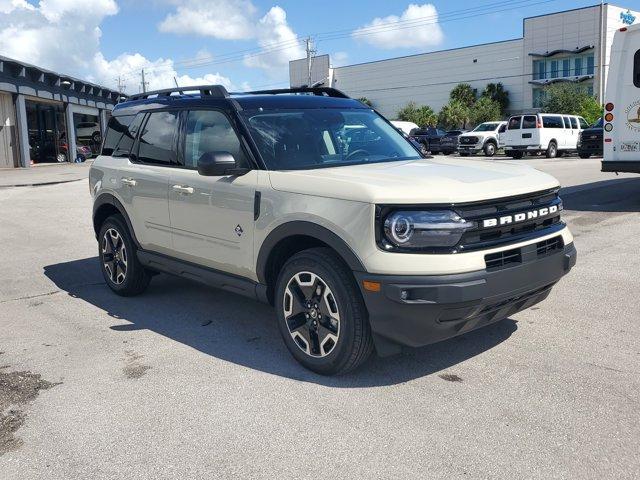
(466, 108)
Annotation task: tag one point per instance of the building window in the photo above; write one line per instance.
(539, 70)
(577, 62)
(590, 65)
(539, 96)
(554, 69)
(566, 67)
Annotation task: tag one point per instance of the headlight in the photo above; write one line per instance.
(424, 229)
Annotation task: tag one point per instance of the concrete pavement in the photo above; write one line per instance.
(48, 174)
(185, 381)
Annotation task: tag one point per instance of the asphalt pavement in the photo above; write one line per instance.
(189, 382)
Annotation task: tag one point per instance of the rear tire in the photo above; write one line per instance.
(464, 154)
(321, 313)
(489, 149)
(121, 269)
(517, 155)
(552, 150)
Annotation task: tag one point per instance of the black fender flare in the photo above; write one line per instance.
(110, 199)
(308, 229)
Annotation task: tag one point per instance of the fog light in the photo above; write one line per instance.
(404, 294)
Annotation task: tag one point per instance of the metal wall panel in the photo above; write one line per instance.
(8, 146)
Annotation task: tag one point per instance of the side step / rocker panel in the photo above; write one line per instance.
(208, 276)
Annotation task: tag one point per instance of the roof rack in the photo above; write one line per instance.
(205, 90)
(322, 91)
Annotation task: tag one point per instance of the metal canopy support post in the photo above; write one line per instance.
(22, 131)
(71, 133)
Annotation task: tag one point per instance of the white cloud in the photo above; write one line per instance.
(64, 36)
(420, 28)
(224, 19)
(236, 19)
(159, 73)
(278, 41)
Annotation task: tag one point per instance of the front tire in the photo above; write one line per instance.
(321, 313)
(121, 269)
(489, 149)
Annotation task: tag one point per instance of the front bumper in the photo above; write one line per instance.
(419, 310)
(470, 148)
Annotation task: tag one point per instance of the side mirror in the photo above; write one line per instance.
(218, 164)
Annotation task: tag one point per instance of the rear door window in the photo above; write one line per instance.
(567, 122)
(158, 138)
(552, 121)
(514, 123)
(529, 121)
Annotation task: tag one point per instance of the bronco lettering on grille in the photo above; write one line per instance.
(520, 217)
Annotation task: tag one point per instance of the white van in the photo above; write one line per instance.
(405, 127)
(622, 104)
(550, 133)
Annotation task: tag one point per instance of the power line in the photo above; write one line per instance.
(335, 35)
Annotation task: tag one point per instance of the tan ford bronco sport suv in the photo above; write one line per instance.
(313, 202)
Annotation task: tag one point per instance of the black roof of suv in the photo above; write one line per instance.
(185, 97)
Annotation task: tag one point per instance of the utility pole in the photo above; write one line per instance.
(144, 84)
(310, 53)
(121, 86)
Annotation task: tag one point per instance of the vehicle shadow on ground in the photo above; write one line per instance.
(238, 330)
(616, 195)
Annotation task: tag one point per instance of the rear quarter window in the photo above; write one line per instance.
(552, 122)
(115, 128)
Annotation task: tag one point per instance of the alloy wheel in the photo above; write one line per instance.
(311, 314)
(114, 256)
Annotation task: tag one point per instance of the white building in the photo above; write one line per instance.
(568, 46)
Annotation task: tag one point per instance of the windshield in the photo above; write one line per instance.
(598, 123)
(486, 127)
(316, 138)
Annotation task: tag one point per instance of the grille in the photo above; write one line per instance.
(549, 246)
(500, 260)
(469, 140)
(479, 237)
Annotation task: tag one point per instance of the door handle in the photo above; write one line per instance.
(183, 190)
(129, 181)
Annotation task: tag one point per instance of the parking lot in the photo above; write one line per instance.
(185, 381)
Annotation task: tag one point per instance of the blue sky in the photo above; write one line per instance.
(101, 39)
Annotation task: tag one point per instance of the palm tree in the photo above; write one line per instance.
(497, 93)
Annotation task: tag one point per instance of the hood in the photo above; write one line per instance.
(478, 134)
(416, 181)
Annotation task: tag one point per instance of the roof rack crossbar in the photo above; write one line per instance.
(328, 91)
(209, 90)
